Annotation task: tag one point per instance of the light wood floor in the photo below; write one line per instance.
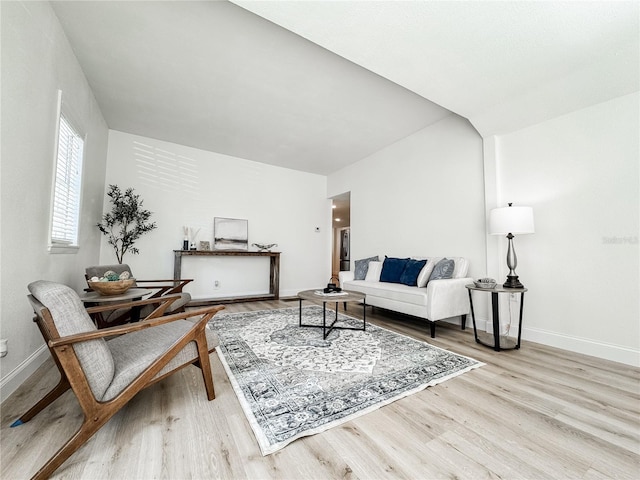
(536, 413)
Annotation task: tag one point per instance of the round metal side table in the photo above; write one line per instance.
(508, 343)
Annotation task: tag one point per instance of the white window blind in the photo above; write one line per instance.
(66, 198)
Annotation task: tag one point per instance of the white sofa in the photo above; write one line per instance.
(440, 299)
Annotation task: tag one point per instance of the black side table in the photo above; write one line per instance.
(509, 345)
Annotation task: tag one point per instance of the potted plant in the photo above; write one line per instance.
(126, 222)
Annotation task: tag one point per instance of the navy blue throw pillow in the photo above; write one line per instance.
(392, 269)
(411, 271)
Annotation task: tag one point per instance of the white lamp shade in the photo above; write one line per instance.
(515, 220)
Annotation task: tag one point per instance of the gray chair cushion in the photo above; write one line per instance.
(181, 302)
(70, 317)
(99, 270)
(134, 352)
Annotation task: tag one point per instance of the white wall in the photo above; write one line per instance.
(580, 174)
(36, 62)
(421, 196)
(184, 186)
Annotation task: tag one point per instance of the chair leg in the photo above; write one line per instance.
(205, 366)
(84, 433)
(48, 399)
(463, 321)
(432, 327)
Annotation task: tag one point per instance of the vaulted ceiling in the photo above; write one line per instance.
(315, 86)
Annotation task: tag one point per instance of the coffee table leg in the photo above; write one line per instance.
(300, 317)
(135, 313)
(324, 320)
(364, 315)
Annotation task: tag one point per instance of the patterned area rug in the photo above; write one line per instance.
(291, 383)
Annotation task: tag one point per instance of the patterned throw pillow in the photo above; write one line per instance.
(392, 269)
(362, 266)
(443, 269)
(411, 271)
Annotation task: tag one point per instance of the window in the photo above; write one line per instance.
(67, 187)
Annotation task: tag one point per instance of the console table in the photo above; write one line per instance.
(508, 343)
(274, 273)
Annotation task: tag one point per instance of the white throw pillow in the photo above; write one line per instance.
(373, 274)
(425, 273)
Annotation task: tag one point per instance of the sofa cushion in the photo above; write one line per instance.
(394, 291)
(392, 269)
(135, 352)
(425, 273)
(411, 271)
(462, 266)
(443, 269)
(373, 274)
(362, 266)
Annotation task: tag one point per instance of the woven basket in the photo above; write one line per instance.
(112, 288)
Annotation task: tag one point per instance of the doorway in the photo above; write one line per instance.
(341, 222)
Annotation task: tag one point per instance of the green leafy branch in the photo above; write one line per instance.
(126, 222)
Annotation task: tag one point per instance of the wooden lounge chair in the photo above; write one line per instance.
(107, 368)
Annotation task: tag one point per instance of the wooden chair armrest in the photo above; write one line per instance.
(136, 303)
(206, 314)
(170, 280)
(163, 287)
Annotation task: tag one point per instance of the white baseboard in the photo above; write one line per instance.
(608, 351)
(19, 375)
(481, 325)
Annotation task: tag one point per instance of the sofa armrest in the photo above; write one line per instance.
(346, 276)
(447, 298)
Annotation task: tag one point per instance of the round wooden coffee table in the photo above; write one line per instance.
(346, 297)
(94, 298)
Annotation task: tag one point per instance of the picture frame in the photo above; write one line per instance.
(230, 233)
(205, 245)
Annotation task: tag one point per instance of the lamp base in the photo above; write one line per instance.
(512, 282)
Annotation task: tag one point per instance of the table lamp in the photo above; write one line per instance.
(511, 221)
